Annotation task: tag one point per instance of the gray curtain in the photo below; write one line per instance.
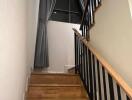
(41, 51)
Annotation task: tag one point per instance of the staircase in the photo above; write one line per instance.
(56, 87)
(101, 81)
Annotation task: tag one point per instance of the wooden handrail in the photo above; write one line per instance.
(107, 66)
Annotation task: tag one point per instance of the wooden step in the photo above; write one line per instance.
(44, 73)
(61, 85)
(57, 79)
(56, 92)
(56, 87)
(30, 98)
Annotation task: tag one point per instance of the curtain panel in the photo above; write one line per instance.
(41, 52)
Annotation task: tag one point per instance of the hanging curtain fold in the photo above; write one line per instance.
(41, 52)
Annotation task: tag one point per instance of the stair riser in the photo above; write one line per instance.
(56, 79)
(55, 92)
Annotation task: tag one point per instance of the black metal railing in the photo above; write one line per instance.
(99, 81)
(88, 17)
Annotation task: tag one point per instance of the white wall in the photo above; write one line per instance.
(33, 10)
(112, 36)
(13, 33)
(61, 45)
(18, 26)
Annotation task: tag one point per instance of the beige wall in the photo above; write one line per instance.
(13, 33)
(112, 36)
(61, 46)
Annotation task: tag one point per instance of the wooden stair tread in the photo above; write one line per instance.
(64, 74)
(53, 85)
(74, 98)
(44, 86)
(54, 79)
(57, 91)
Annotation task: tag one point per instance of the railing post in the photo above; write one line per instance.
(76, 52)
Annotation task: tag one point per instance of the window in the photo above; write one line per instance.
(67, 11)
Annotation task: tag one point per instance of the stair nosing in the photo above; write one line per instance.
(65, 74)
(59, 97)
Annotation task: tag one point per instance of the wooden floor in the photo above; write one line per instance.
(55, 87)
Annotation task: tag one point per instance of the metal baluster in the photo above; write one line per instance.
(85, 72)
(82, 55)
(79, 50)
(81, 46)
(75, 42)
(93, 4)
(77, 55)
(84, 58)
(88, 18)
(104, 82)
(99, 84)
(94, 78)
(111, 88)
(118, 92)
(92, 12)
(87, 69)
(90, 74)
(127, 98)
(96, 3)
